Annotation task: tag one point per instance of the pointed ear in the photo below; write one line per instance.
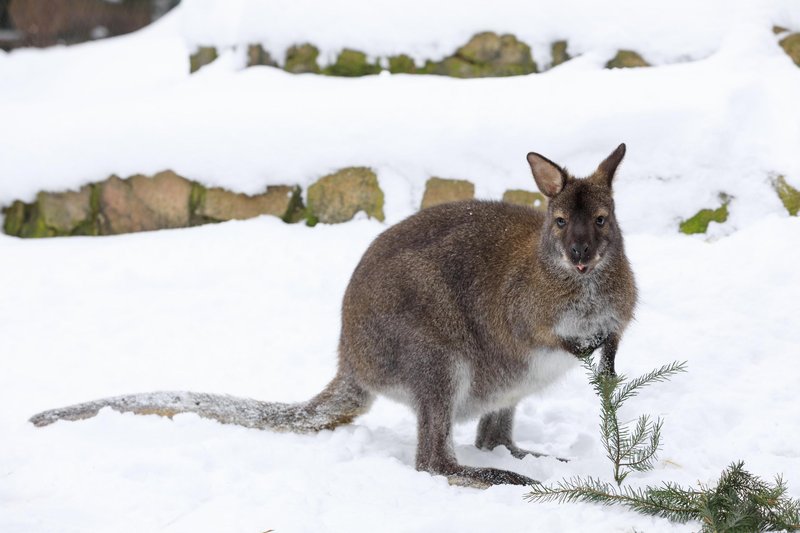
(607, 169)
(550, 178)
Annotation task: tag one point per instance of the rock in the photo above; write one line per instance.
(338, 197)
(202, 57)
(143, 204)
(788, 195)
(700, 221)
(257, 55)
(69, 213)
(441, 191)
(352, 63)
(558, 53)
(531, 199)
(791, 45)
(487, 54)
(627, 59)
(54, 215)
(219, 204)
(777, 30)
(302, 58)
(402, 64)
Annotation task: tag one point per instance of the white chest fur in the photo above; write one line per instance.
(544, 367)
(589, 318)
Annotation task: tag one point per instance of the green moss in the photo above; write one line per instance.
(559, 54)
(402, 64)
(296, 211)
(351, 64)
(700, 221)
(788, 195)
(791, 45)
(301, 59)
(311, 219)
(202, 57)
(627, 59)
(15, 216)
(197, 196)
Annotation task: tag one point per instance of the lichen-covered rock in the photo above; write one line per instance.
(352, 63)
(627, 59)
(54, 214)
(700, 221)
(202, 56)
(788, 195)
(441, 191)
(338, 197)
(302, 58)
(558, 53)
(531, 199)
(220, 204)
(486, 54)
(143, 204)
(69, 213)
(791, 45)
(402, 64)
(257, 55)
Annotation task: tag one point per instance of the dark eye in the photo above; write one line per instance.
(561, 222)
(600, 221)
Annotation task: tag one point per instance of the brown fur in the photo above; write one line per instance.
(461, 310)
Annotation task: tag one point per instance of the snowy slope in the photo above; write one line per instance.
(252, 308)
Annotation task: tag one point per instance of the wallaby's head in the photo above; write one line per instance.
(580, 231)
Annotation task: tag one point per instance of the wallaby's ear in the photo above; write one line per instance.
(607, 169)
(550, 178)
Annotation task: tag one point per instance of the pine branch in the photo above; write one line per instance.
(740, 502)
(631, 388)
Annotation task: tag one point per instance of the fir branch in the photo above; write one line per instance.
(631, 388)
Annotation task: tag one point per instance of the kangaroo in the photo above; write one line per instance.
(459, 311)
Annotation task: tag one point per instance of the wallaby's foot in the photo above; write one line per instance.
(494, 430)
(483, 478)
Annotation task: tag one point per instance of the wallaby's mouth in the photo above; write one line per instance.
(583, 269)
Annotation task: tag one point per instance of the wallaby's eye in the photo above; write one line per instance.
(561, 222)
(601, 220)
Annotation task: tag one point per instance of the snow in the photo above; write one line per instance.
(251, 308)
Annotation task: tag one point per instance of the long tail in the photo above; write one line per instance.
(339, 403)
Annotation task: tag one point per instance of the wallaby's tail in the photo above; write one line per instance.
(339, 403)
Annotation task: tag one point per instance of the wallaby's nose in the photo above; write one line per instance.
(579, 251)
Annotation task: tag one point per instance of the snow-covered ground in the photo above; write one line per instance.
(252, 308)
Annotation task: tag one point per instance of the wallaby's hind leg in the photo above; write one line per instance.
(495, 429)
(435, 453)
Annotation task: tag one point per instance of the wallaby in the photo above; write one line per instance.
(459, 311)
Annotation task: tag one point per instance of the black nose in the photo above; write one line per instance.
(579, 251)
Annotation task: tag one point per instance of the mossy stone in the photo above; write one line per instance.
(352, 63)
(521, 197)
(203, 56)
(302, 58)
(791, 45)
(15, 218)
(402, 64)
(442, 191)
(257, 55)
(788, 195)
(338, 197)
(627, 59)
(558, 53)
(219, 204)
(700, 221)
(486, 54)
